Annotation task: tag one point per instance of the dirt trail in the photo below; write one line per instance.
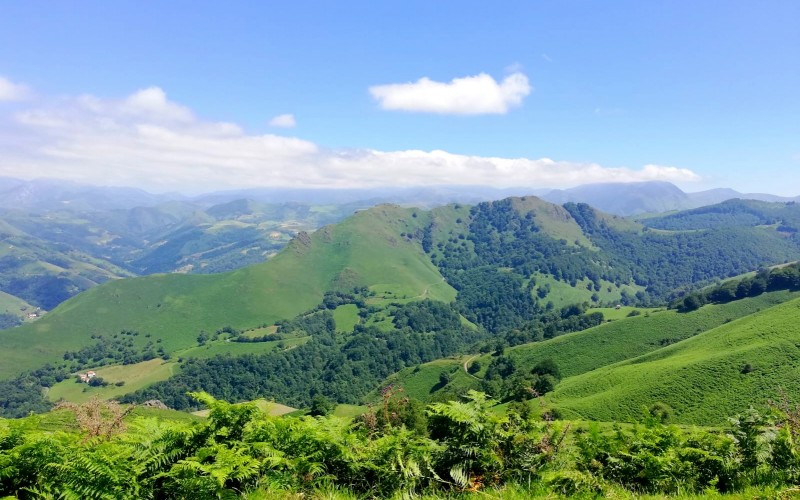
(466, 365)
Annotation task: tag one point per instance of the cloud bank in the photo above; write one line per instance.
(471, 95)
(146, 140)
(10, 91)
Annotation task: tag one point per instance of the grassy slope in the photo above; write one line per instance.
(552, 220)
(613, 314)
(135, 376)
(562, 294)
(365, 249)
(13, 305)
(608, 343)
(582, 352)
(421, 381)
(346, 317)
(700, 378)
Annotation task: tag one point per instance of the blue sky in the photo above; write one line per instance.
(180, 95)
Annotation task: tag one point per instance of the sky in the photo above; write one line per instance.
(196, 96)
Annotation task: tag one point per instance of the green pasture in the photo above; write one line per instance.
(135, 376)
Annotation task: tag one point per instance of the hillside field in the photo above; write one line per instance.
(704, 379)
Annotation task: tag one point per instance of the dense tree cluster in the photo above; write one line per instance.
(119, 348)
(426, 316)
(505, 381)
(494, 299)
(24, 393)
(666, 262)
(504, 248)
(341, 368)
(766, 280)
(545, 326)
(8, 320)
(732, 213)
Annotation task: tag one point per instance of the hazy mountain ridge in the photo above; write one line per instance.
(616, 198)
(650, 197)
(128, 231)
(49, 256)
(484, 253)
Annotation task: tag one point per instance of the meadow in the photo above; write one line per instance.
(703, 379)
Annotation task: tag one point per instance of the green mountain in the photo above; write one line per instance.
(52, 255)
(365, 250)
(635, 198)
(511, 271)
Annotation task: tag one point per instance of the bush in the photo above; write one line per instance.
(475, 367)
(97, 382)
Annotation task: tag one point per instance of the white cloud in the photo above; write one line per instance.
(146, 140)
(471, 95)
(283, 121)
(10, 91)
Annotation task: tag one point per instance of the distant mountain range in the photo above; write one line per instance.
(650, 197)
(615, 198)
(60, 238)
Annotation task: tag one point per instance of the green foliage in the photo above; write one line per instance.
(240, 451)
(483, 448)
(654, 458)
(342, 368)
(506, 382)
(320, 405)
(780, 278)
(395, 410)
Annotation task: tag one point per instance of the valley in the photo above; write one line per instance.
(506, 273)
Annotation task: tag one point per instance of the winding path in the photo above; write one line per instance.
(466, 364)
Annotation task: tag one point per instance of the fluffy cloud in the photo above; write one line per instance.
(471, 95)
(283, 121)
(149, 141)
(10, 91)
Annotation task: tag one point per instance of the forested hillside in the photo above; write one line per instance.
(496, 274)
(506, 257)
